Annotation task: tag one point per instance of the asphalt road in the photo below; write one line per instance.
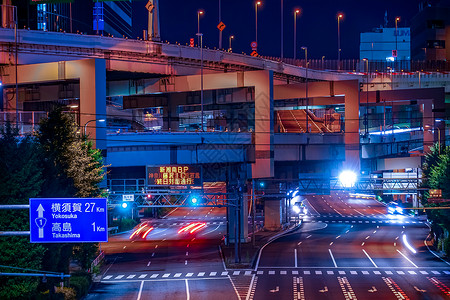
(347, 248)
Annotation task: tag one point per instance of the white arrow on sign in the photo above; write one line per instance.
(40, 221)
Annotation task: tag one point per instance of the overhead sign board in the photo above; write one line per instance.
(129, 197)
(174, 175)
(68, 220)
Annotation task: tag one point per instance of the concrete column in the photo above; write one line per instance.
(272, 214)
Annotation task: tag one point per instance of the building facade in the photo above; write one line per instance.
(381, 43)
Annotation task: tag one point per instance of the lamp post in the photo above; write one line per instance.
(256, 21)
(296, 12)
(397, 19)
(86, 124)
(229, 43)
(220, 20)
(323, 58)
(306, 87)
(339, 17)
(281, 35)
(199, 12)
(200, 36)
(366, 117)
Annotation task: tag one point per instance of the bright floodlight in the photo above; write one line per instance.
(296, 209)
(124, 205)
(347, 178)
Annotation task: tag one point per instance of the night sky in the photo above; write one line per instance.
(316, 26)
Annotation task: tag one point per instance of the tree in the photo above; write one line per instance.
(20, 179)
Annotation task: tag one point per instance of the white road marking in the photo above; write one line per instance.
(131, 276)
(166, 275)
(407, 258)
(149, 263)
(369, 258)
(107, 277)
(188, 296)
(140, 290)
(201, 274)
(189, 274)
(154, 276)
(119, 277)
(143, 276)
(295, 258)
(332, 257)
(177, 275)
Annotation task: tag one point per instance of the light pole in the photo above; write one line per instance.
(339, 17)
(306, 87)
(281, 35)
(397, 19)
(323, 58)
(220, 20)
(86, 124)
(429, 127)
(229, 43)
(256, 21)
(200, 36)
(366, 117)
(296, 12)
(199, 12)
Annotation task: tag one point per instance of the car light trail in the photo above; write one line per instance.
(186, 228)
(147, 232)
(198, 227)
(405, 241)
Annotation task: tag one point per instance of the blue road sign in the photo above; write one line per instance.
(68, 220)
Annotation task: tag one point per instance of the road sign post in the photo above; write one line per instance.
(68, 220)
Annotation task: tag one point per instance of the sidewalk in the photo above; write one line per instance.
(249, 253)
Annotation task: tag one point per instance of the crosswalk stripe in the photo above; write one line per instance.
(353, 272)
(388, 272)
(412, 272)
(131, 276)
(365, 272)
(318, 272)
(400, 272)
(201, 274)
(236, 273)
(143, 276)
(435, 272)
(189, 274)
(271, 272)
(294, 272)
(377, 272)
(247, 273)
(424, 272)
(283, 272)
(330, 272)
(177, 275)
(341, 272)
(213, 274)
(154, 276)
(260, 272)
(166, 275)
(107, 277)
(447, 272)
(119, 276)
(306, 272)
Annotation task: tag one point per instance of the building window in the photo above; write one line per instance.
(436, 44)
(435, 24)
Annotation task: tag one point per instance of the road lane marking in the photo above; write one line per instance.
(224, 273)
(131, 276)
(213, 274)
(107, 277)
(189, 274)
(318, 272)
(154, 276)
(140, 290)
(185, 262)
(407, 258)
(143, 276)
(332, 257)
(295, 258)
(166, 275)
(188, 296)
(369, 258)
(201, 274)
(148, 265)
(119, 277)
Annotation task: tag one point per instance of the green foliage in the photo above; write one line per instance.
(20, 179)
(81, 284)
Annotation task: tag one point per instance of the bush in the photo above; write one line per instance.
(68, 293)
(127, 224)
(81, 284)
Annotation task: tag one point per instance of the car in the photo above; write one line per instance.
(394, 208)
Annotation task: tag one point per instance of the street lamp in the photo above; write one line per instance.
(296, 12)
(306, 88)
(339, 17)
(199, 12)
(85, 125)
(397, 19)
(366, 117)
(200, 36)
(229, 43)
(256, 21)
